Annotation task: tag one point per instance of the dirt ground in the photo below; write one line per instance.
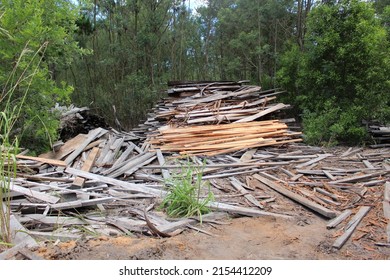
(245, 238)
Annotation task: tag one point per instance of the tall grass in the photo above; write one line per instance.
(12, 104)
(185, 193)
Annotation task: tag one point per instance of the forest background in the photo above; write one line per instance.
(116, 56)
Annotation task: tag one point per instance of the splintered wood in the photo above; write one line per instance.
(224, 138)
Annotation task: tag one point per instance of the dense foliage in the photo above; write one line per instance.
(341, 77)
(37, 39)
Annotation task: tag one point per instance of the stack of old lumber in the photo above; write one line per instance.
(223, 138)
(215, 118)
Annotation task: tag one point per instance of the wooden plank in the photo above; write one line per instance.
(368, 164)
(133, 165)
(78, 181)
(123, 157)
(388, 232)
(298, 198)
(43, 160)
(243, 210)
(247, 156)
(360, 177)
(34, 194)
(67, 148)
(81, 203)
(315, 160)
(63, 237)
(386, 195)
(329, 175)
(237, 185)
(92, 135)
(340, 241)
(336, 221)
(51, 220)
(386, 209)
(111, 181)
(29, 254)
(161, 161)
(263, 113)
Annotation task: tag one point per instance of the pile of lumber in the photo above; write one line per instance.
(219, 118)
(224, 138)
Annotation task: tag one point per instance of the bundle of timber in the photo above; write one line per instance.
(210, 118)
(217, 139)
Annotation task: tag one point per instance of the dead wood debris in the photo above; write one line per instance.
(101, 182)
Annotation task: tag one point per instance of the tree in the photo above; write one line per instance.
(341, 75)
(40, 41)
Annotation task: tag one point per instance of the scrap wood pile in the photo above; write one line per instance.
(111, 183)
(214, 118)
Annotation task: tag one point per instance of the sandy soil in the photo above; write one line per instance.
(244, 238)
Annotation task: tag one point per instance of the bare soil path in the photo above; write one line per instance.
(244, 238)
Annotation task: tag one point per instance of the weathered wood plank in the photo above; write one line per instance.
(132, 165)
(51, 220)
(43, 160)
(350, 228)
(111, 181)
(92, 135)
(34, 194)
(315, 160)
(161, 161)
(296, 197)
(336, 221)
(360, 177)
(243, 210)
(81, 203)
(386, 195)
(78, 181)
(263, 113)
(247, 156)
(237, 185)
